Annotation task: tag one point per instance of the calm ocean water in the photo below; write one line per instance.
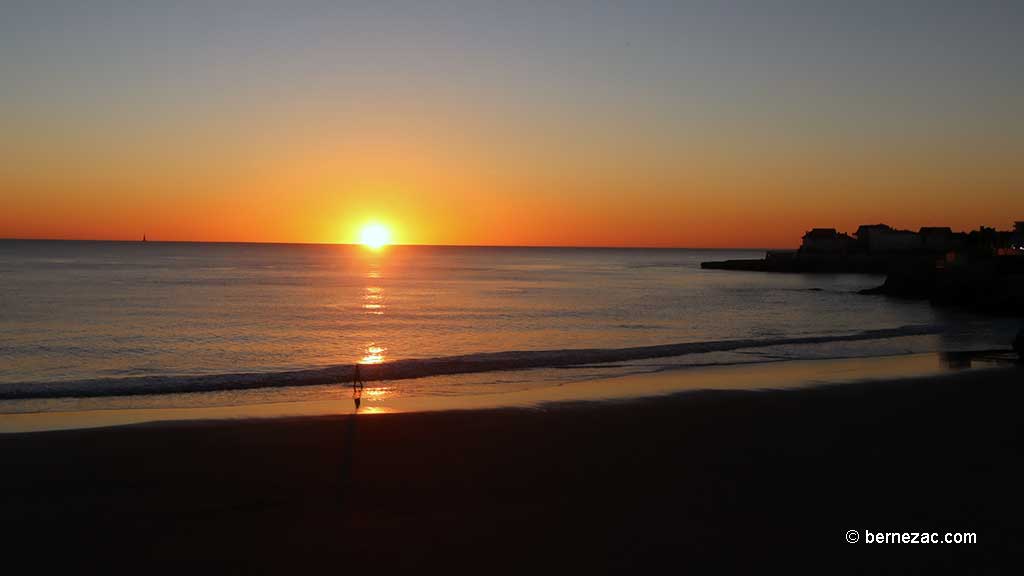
(87, 314)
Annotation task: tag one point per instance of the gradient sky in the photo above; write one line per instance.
(557, 123)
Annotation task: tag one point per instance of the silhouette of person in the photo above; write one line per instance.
(357, 386)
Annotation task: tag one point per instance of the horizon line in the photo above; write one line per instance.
(396, 245)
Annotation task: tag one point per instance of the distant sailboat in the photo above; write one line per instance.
(143, 237)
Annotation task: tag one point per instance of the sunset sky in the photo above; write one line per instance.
(529, 123)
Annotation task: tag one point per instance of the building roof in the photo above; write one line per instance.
(821, 233)
(871, 227)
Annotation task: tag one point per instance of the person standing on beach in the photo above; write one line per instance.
(357, 386)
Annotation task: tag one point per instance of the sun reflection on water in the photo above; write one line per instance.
(373, 354)
(373, 300)
(378, 393)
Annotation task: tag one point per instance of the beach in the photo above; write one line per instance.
(510, 287)
(736, 478)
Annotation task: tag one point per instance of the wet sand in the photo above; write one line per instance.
(736, 478)
(495, 390)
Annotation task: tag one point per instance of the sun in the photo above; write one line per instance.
(375, 236)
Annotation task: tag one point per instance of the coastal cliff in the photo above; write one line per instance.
(990, 285)
(804, 263)
(982, 270)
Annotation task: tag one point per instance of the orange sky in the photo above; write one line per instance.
(421, 213)
(512, 125)
(446, 190)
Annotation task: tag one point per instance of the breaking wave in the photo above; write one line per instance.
(418, 368)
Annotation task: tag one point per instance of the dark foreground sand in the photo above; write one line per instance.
(743, 480)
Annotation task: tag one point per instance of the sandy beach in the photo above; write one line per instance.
(520, 287)
(740, 479)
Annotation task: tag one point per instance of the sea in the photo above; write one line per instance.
(85, 319)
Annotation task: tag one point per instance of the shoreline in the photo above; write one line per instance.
(780, 475)
(395, 397)
(416, 368)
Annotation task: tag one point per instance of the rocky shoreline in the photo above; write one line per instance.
(993, 286)
(982, 271)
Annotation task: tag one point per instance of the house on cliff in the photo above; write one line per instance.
(825, 241)
(883, 239)
(1017, 239)
(865, 232)
(938, 239)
